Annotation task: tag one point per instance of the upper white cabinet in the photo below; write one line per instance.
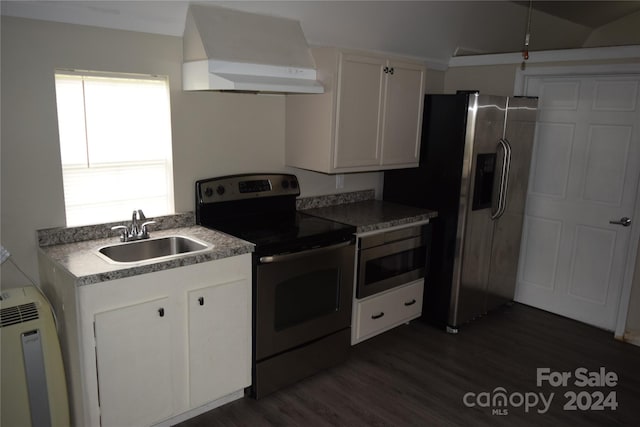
(369, 117)
(359, 112)
(402, 114)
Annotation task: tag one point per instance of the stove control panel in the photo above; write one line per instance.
(249, 186)
(254, 186)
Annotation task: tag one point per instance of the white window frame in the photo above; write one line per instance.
(119, 185)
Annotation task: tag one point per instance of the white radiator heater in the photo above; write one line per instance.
(34, 391)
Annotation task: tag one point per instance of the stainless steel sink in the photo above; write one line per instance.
(143, 250)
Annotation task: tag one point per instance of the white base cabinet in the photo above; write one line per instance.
(386, 310)
(369, 118)
(218, 354)
(134, 364)
(151, 348)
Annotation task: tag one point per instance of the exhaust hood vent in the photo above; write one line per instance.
(230, 50)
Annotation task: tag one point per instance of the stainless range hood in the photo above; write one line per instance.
(230, 50)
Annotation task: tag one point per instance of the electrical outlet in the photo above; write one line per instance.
(339, 181)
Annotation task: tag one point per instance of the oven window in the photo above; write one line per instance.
(306, 297)
(378, 269)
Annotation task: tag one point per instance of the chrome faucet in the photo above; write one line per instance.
(134, 231)
(134, 222)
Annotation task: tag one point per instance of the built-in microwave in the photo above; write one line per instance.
(392, 258)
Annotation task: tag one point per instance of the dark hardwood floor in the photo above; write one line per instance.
(417, 375)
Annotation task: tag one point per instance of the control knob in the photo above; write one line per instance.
(220, 190)
(208, 192)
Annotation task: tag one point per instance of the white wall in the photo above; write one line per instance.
(434, 81)
(213, 133)
(488, 79)
(632, 328)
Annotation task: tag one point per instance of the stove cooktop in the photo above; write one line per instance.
(293, 234)
(260, 208)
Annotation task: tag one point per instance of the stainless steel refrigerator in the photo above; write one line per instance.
(474, 170)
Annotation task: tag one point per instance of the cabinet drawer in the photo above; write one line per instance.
(385, 311)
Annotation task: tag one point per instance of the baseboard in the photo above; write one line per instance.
(632, 338)
(201, 409)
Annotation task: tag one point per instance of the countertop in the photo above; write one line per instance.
(76, 249)
(82, 261)
(371, 215)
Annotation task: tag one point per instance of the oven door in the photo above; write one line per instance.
(391, 259)
(303, 296)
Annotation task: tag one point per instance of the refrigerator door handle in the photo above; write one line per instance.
(503, 144)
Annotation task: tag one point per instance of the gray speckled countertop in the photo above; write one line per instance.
(76, 249)
(82, 261)
(371, 215)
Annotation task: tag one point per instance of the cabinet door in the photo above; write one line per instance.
(403, 114)
(134, 364)
(219, 341)
(359, 112)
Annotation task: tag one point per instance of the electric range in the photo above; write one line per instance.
(303, 274)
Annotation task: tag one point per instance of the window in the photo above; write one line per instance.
(115, 146)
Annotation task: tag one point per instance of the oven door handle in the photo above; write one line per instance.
(288, 257)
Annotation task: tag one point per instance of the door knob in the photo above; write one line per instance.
(624, 221)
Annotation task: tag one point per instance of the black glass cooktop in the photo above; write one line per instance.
(287, 233)
(261, 209)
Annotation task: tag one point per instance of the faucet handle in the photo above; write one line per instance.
(124, 233)
(144, 233)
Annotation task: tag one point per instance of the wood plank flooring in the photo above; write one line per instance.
(417, 375)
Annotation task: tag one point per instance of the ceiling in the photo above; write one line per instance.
(592, 14)
(434, 31)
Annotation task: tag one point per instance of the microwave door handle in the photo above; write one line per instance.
(295, 255)
(503, 144)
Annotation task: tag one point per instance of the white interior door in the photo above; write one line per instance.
(584, 174)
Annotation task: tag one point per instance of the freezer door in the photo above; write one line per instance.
(475, 228)
(519, 132)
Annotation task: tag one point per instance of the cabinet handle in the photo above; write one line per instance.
(385, 70)
(377, 316)
(201, 300)
(391, 70)
(161, 312)
(408, 303)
